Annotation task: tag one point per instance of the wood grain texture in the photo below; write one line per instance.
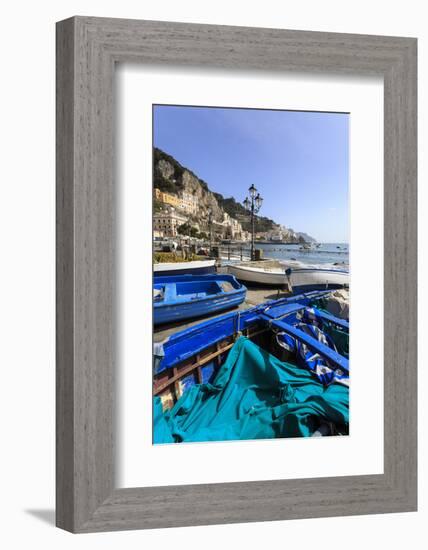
(64, 277)
(87, 50)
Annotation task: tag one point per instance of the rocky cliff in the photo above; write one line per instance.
(307, 238)
(171, 177)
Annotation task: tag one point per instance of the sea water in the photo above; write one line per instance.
(331, 254)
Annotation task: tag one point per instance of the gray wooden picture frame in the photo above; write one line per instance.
(87, 51)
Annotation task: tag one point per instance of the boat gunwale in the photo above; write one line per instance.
(276, 324)
(293, 270)
(221, 294)
(188, 265)
(243, 318)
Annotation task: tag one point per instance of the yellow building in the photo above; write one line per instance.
(173, 200)
(166, 198)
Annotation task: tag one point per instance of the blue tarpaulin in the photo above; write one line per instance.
(253, 396)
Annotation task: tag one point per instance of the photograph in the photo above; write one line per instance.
(250, 274)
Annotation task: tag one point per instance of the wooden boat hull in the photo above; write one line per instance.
(318, 278)
(190, 296)
(197, 267)
(258, 275)
(193, 355)
(302, 279)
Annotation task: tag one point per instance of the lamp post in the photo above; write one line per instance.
(253, 205)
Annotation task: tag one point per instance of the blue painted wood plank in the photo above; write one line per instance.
(331, 318)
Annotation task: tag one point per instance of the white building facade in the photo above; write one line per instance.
(188, 203)
(167, 223)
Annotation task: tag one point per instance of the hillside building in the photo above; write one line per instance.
(167, 223)
(188, 203)
(166, 198)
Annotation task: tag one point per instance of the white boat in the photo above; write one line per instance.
(263, 272)
(318, 278)
(292, 274)
(196, 267)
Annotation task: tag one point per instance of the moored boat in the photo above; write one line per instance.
(292, 274)
(181, 297)
(279, 369)
(305, 278)
(267, 272)
(196, 267)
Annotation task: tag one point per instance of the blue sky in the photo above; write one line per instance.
(299, 161)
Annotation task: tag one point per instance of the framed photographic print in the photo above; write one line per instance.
(236, 274)
(242, 392)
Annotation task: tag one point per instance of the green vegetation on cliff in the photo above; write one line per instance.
(237, 210)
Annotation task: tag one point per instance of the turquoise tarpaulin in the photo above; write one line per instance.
(253, 396)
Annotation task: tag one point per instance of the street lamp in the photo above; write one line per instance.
(253, 205)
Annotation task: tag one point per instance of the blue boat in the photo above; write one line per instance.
(181, 297)
(282, 348)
